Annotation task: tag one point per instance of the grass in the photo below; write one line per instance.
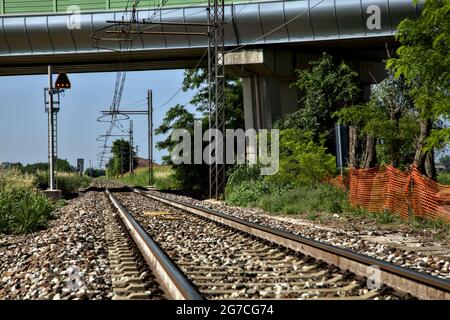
(67, 182)
(306, 200)
(321, 203)
(444, 178)
(23, 208)
(163, 175)
(15, 178)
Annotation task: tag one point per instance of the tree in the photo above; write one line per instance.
(190, 176)
(327, 87)
(423, 61)
(196, 176)
(95, 172)
(61, 165)
(445, 161)
(389, 120)
(196, 79)
(120, 161)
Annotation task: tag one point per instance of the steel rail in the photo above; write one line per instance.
(176, 285)
(419, 284)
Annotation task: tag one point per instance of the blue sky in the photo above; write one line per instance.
(23, 122)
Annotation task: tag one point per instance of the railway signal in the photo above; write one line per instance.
(53, 93)
(62, 81)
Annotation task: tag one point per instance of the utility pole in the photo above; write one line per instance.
(121, 160)
(150, 136)
(216, 92)
(131, 147)
(51, 133)
(91, 169)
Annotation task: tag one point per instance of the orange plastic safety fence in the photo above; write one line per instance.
(387, 188)
(339, 182)
(430, 199)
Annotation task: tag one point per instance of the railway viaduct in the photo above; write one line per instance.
(266, 41)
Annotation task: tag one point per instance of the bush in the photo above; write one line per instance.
(443, 178)
(67, 182)
(310, 199)
(302, 162)
(247, 193)
(163, 177)
(303, 165)
(241, 173)
(23, 210)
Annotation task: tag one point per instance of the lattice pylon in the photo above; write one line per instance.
(216, 91)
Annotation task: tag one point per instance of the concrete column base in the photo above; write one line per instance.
(54, 195)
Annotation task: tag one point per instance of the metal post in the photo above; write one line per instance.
(216, 91)
(131, 147)
(340, 148)
(51, 133)
(121, 160)
(150, 136)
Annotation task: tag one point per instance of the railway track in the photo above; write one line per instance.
(195, 253)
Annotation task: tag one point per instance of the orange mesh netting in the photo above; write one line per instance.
(387, 188)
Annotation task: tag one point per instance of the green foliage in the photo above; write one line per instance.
(23, 208)
(444, 178)
(189, 176)
(445, 161)
(94, 172)
(15, 178)
(234, 108)
(120, 161)
(386, 217)
(303, 165)
(305, 200)
(327, 87)
(424, 62)
(389, 116)
(195, 176)
(247, 193)
(62, 165)
(302, 162)
(67, 182)
(240, 173)
(164, 178)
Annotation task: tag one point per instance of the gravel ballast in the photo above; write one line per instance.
(69, 260)
(407, 250)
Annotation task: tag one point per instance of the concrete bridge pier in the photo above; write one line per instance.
(267, 76)
(266, 79)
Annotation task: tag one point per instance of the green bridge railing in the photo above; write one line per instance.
(55, 6)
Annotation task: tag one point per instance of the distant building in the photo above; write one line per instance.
(141, 162)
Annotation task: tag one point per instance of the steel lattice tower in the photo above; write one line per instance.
(216, 91)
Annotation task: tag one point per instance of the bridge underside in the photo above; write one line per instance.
(371, 49)
(270, 41)
(29, 43)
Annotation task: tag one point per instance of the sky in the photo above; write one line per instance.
(23, 121)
